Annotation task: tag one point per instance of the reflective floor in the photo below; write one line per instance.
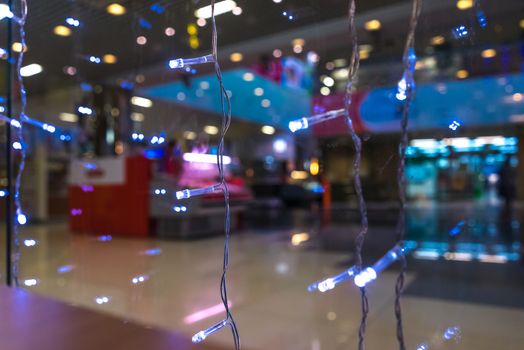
(464, 289)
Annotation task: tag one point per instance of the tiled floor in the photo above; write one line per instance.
(267, 286)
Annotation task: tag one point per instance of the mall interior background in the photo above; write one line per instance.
(128, 132)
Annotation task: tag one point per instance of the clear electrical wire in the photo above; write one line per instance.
(409, 60)
(357, 143)
(226, 122)
(20, 217)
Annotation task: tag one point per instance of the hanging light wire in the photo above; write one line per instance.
(357, 143)
(226, 122)
(19, 215)
(409, 60)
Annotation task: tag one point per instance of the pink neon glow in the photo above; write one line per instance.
(206, 313)
(204, 158)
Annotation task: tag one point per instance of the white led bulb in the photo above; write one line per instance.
(304, 123)
(180, 63)
(202, 335)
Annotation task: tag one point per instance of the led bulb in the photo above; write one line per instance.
(183, 62)
(330, 283)
(5, 12)
(184, 194)
(304, 123)
(202, 335)
(370, 274)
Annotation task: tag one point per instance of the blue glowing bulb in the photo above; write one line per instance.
(298, 124)
(17, 145)
(21, 218)
(94, 59)
(30, 282)
(454, 125)
(29, 242)
(15, 123)
(460, 32)
(3, 193)
(72, 22)
(423, 346)
(105, 238)
(102, 300)
(481, 18)
(365, 277)
(141, 137)
(85, 110)
(202, 335)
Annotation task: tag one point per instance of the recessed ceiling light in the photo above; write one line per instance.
(462, 74)
(204, 85)
(437, 40)
(298, 41)
(68, 117)
(268, 130)
(488, 53)
(328, 81)
(266, 103)
(30, 70)
(141, 102)
(237, 11)
(116, 9)
(141, 40)
(373, 24)
(201, 22)
(17, 47)
(277, 53)
(248, 76)
(194, 43)
(210, 129)
(220, 8)
(109, 59)
(190, 135)
(62, 31)
(298, 49)
(236, 57)
(70, 70)
(464, 4)
(170, 31)
(258, 91)
(340, 74)
(137, 117)
(325, 91)
(277, 1)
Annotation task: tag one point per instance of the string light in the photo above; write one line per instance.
(30, 242)
(306, 122)
(94, 59)
(187, 193)
(202, 335)
(407, 81)
(180, 209)
(30, 282)
(85, 110)
(454, 125)
(331, 282)
(181, 62)
(460, 32)
(102, 300)
(72, 22)
(370, 274)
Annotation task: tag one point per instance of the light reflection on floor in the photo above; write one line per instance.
(268, 280)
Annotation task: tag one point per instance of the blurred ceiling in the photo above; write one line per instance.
(322, 21)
